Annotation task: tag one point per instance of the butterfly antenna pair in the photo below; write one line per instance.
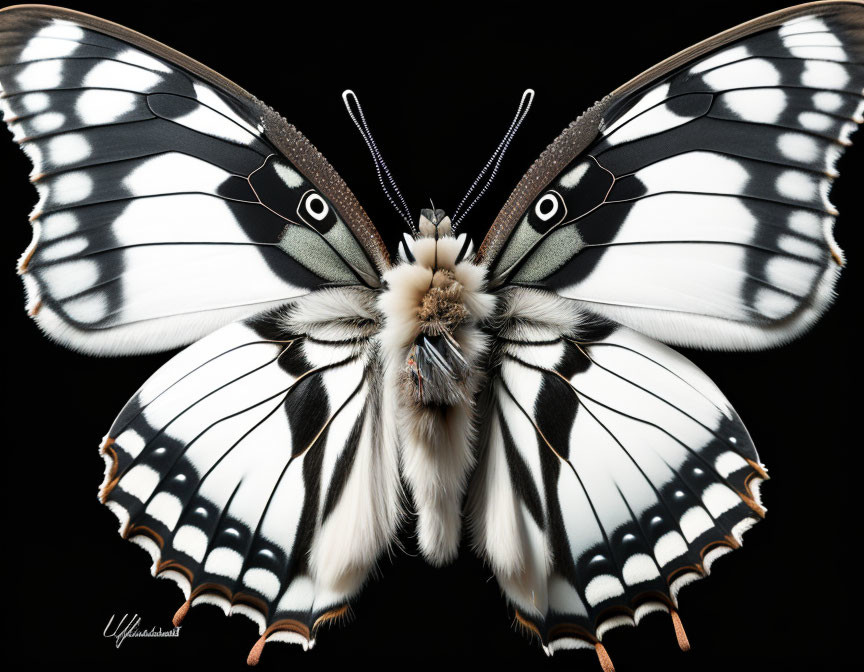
(388, 184)
(385, 178)
(494, 161)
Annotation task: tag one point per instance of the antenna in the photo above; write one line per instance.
(396, 199)
(495, 160)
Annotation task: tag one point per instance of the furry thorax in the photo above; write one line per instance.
(427, 327)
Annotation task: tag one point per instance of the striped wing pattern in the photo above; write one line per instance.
(699, 214)
(259, 466)
(246, 460)
(631, 474)
(164, 210)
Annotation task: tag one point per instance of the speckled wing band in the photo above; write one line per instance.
(171, 202)
(692, 203)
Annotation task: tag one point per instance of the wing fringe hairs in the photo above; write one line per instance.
(256, 468)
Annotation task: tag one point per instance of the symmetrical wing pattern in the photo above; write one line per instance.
(699, 211)
(631, 473)
(165, 210)
(260, 467)
(251, 466)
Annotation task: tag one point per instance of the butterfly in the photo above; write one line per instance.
(522, 390)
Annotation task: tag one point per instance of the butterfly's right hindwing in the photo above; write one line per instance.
(612, 472)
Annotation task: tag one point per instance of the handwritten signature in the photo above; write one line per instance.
(130, 626)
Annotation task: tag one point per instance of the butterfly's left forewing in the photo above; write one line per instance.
(172, 202)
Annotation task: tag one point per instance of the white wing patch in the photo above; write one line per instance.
(156, 238)
(234, 466)
(629, 465)
(682, 211)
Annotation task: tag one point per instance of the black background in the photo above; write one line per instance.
(439, 84)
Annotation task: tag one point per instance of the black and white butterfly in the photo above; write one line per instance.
(521, 387)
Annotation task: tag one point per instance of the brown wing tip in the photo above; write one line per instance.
(181, 614)
(603, 657)
(753, 504)
(527, 625)
(680, 634)
(759, 469)
(335, 614)
(255, 654)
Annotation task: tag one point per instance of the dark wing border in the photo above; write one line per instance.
(285, 136)
(580, 133)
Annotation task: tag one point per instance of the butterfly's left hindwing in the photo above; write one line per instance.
(171, 201)
(612, 472)
(253, 467)
(692, 203)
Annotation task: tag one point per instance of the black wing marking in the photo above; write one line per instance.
(251, 467)
(692, 204)
(631, 474)
(171, 201)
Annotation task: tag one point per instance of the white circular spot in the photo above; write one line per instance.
(316, 207)
(47, 122)
(35, 102)
(71, 187)
(798, 147)
(799, 247)
(760, 105)
(58, 224)
(69, 148)
(41, 75)
(89, 308)
(824, 75)
(797, 185)
(69, 277)
(814, 121)
(772, 304)
(827, 101)
(69, 247)
(99, 106)
(805, 223)
(546, 207)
